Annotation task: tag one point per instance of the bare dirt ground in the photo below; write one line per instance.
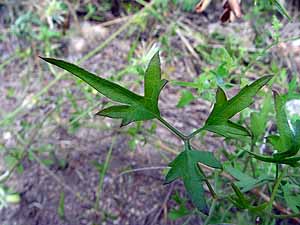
(134, 198)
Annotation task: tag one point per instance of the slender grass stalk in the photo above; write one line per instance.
(211, 212)
(103, 173)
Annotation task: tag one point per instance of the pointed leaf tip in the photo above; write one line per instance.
(223, 110)
(138, 107)
(185, 167)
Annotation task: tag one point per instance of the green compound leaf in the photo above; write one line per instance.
(228, 129)
(185, 167)
(292, 161)
(296, 128)
(242, 202)
(286, 134)
(218, 120)
(288, 140)
(133, 106)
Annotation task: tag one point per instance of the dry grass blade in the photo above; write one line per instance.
(202, 5)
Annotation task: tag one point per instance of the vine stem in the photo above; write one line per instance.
(275, 189)
(210, 188)
(173, 129)
(196, 132)
(211, 212)
(294, 217)
(179, 134)
(186, 140)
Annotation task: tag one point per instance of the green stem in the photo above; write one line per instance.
(277, 171)
(210, 188)
(195, 132)
(173, 129)
(211, 212)
(102, 175)
(249, 158)
(276, 187)
(253, 168)
(187, 144)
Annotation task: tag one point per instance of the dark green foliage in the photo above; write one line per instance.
(181, 210)
(219, 119)
(240, 201)
(291, 196)
(134, 107)
(287, 142)
(258, 120)
(246, 182)
(185, 167)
